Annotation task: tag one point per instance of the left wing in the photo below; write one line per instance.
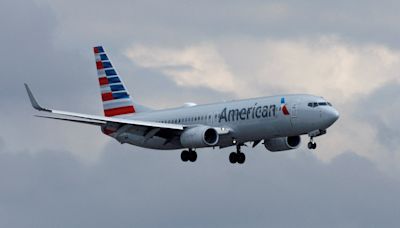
(95, 119)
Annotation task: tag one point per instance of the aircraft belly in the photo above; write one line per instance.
(152, 143)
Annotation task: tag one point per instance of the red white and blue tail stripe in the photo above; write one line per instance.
(115, 97)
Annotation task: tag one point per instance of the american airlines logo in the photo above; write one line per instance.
(255, 112)
(283, 107)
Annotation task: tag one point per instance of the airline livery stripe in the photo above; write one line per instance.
(119, 111)
(100, 72)
(113, 80)
(107, 65)
(103, 57)
(120, 95)
(117, 87)
(106, 96)
(103, 81)
(105, 89)
(110, 102)
(98, 49)
(110, 72)
(116, 104)
(99, 65)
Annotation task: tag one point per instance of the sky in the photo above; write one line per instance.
(56, 174)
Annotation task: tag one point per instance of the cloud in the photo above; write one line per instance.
(232, 50)
(343, 72)
(137, 187)
(327, 65)
(195, 66)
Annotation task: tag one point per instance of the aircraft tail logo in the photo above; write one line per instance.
(283, 107)
(116, 99)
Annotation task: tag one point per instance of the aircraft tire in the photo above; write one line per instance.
(314, 146)
(192, 156)
(310, 145)
(185, 156)
(233, 158)
(241, 158)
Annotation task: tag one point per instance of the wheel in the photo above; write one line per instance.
(192, 156)
(185, 155)
(233, 158)
(310, 145)
(241, 158)
(314, 146)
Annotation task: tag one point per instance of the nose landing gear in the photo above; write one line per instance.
(312, 145)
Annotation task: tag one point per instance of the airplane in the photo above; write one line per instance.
(277, 121)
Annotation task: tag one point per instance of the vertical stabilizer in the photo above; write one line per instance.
(115, 97)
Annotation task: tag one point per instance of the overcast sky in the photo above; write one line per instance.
(55, 174)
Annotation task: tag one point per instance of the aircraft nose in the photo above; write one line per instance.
(333, 115)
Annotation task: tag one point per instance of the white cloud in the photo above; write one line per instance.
(195, 66)
(328, 66)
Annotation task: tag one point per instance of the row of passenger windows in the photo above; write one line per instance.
(190, 119)
(316, 104)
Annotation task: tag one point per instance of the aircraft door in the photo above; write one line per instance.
(293, 114)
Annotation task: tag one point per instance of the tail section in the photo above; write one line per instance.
(115, 97)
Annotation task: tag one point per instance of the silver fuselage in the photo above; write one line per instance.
(241, 121)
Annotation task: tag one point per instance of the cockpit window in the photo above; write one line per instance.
(313, 104)
(316, 104)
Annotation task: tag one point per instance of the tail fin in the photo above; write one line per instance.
(115, 97)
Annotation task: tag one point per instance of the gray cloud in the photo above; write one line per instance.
(377, 110)
(136, 187)
(46, 183)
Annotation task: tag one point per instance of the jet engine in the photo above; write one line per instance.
(200, 136)
(282, 143)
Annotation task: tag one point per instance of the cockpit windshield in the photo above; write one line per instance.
(316, 104)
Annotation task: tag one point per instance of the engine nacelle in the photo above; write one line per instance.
(198, 137)
(283, 143)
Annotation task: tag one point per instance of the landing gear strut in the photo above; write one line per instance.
(189, 155)
(312, 145)
(237, 156)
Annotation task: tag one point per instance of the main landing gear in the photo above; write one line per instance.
(237, 156)
(312, 145)
(189, 155)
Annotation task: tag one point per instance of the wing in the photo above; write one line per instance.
(97, 120)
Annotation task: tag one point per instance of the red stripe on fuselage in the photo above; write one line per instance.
(96, 50)
(119, 111)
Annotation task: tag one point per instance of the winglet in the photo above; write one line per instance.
(34, 103)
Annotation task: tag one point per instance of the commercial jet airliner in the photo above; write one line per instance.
(277, 121)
